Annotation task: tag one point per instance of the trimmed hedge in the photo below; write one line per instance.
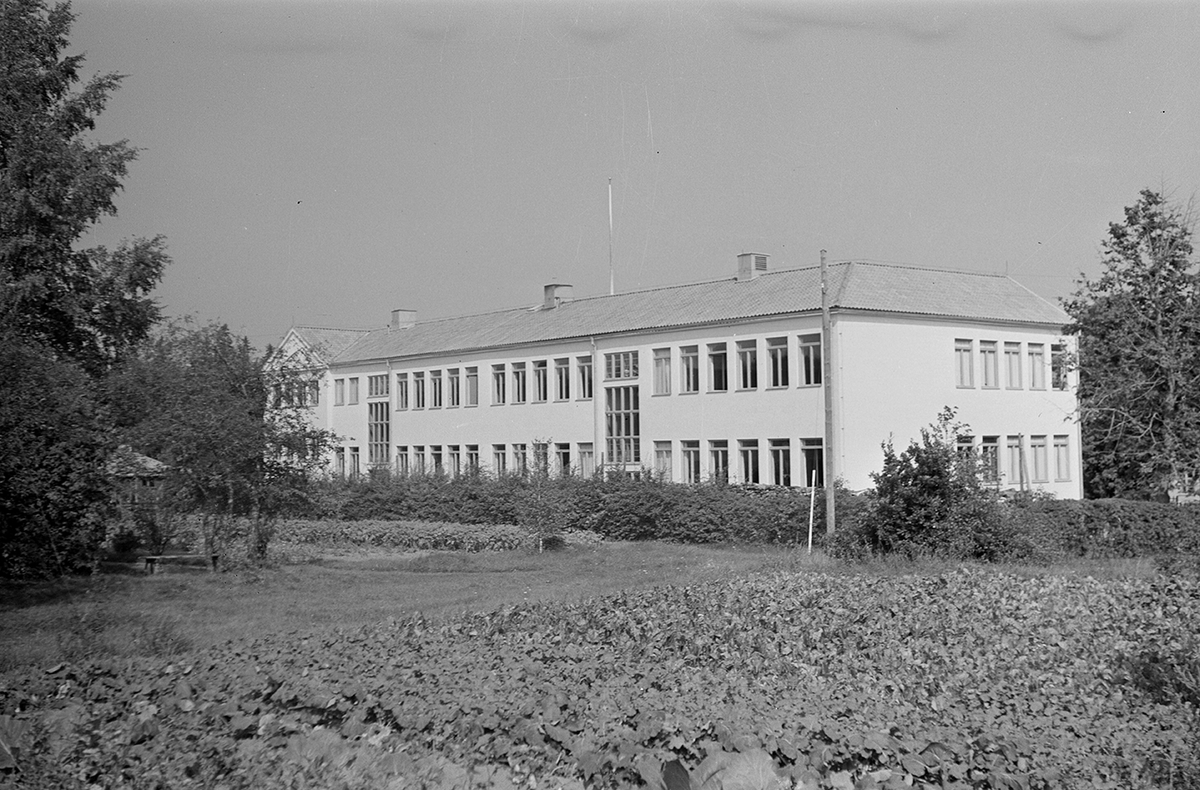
(1104, 528)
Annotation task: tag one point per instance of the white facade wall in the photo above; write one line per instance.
(892, 376)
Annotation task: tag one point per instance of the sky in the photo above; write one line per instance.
(321, 163)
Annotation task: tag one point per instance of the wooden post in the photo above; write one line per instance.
(827, 387)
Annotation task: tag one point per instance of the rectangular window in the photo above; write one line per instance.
(748, 451)
(339, 461)
(813, 452)
(454, 459)
(379, 436)
(1058, 367)
(718, 460)
(355, 466)
(435, 389)
(662, 371)
(562, 379)
(747, 352)
(435, 458)
(541, 381)
(1012, 365)
(418, 459)
(499, 459)
(622, 419)
(352, 394)
(402, 459)
(473, 389)
(777, 353)
(964, 362)
(562, 459)
(1062, 458)
(401, 390)
(810, 359)
(964, 446)
(989, 457)
(621, 365)
(499, 384)
(1037, 366)
(314, 393)
(781, 462)
(585, 378)
(339, 392)
(989, 363)
(1037, 448)
(473, 458)
(662, 459)
(453, 389)
(520, 459)
(587, 459)
(718, 370)
(689, 369)
(518, 382)
(1016, 474)
(418, 384)
(692, 471)
(377, 386)
(541, 459)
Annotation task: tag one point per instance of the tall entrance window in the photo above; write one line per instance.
(622, 418)
(379, 435)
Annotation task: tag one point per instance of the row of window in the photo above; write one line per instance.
(1019, 370)
(523, 382)
(1022, 464)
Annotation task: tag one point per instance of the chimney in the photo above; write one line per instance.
(403, 319)
(554, 294)
(750, 265)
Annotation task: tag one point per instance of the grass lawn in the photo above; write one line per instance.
(180, 608)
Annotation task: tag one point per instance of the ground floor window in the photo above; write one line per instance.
(692, 470)
(748, 451)
(718, 460)
(562, 458)
(622, 419)
(662, 459)
(587, 459)
(813, 453)
(781, 462)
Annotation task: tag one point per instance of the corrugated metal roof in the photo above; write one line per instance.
(853, 286)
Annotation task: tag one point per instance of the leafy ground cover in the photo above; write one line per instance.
(966, 678)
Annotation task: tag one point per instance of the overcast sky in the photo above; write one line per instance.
(321, 163)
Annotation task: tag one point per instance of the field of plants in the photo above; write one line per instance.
(969, 678)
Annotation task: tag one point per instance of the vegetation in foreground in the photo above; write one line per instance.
(825, 678)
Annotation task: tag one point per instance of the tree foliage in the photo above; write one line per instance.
(196, 398)
(1138, 326)
(89, 305)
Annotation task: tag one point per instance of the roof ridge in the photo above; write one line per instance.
(920, 268)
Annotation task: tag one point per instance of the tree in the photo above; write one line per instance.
(89, 305)
(198, 399)
(1138, 354)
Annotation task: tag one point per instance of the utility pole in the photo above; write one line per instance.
(827, 389)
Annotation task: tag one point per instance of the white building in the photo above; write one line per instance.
(712, 379)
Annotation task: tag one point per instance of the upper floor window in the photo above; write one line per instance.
(541, 382)
(747, 351)
(989, 363)
(518, 382)
(662, 371)
(718, 368)
(1058, 367)
(689, 369)
(964, 362)
(339, 392)
(585, 378)
(1012, 366)
(777, 353)
(435, 389)
(562, 379)
(377, 386)
(472, 386)
(1037, 366)
(499, 384)
(810, 359)
(621, 365)
(418, 383)
(353, 390)
(453, 388)
(401, 390)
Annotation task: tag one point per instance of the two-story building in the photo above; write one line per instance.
(715, 379)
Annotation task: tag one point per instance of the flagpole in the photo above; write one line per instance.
(611, 282)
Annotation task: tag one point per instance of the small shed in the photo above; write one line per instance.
(138, 477)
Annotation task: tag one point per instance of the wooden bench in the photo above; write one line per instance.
(153, 561)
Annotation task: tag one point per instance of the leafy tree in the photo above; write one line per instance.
(197, 398)
(89, 305)
(53, 444)
(1139, 354)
